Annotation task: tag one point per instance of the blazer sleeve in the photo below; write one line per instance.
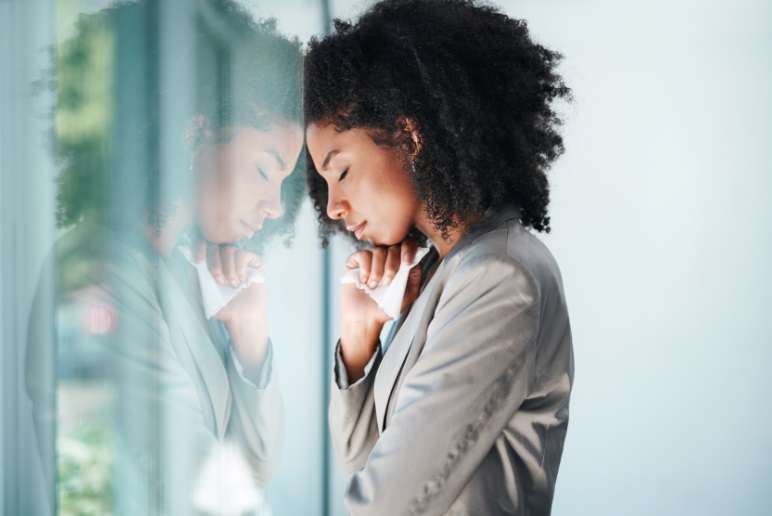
(353, 425)
(163, 436)
(167, 451)
(474, 372)
(182, 461)
(151, 418)
(257, 416)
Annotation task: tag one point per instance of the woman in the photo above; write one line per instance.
(433, 119)
(193, 404)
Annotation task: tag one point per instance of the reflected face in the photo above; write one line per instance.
(239, 182)
(367, 185)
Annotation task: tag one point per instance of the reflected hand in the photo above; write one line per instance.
(245, 316)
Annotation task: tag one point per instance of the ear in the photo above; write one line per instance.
(409, 125)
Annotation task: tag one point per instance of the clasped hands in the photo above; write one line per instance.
(361, 319)
(244, 316)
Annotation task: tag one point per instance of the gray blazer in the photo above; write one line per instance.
(466, 411)
(178, 395)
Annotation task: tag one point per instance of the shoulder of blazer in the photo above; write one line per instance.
(507, 243)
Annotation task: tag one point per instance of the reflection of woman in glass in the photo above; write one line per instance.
(433, 119)
(195, 405)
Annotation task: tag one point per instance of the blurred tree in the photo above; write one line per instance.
(83, 117)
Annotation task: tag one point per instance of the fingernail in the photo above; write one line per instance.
(234, 283)
(372, 284)
(220, 279)
(386, 281)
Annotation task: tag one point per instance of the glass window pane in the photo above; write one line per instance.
(146, 385)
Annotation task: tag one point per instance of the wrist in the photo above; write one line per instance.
(358, 342)
(250, 341)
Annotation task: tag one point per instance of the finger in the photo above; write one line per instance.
(361, 260)
(241, 259)
(197, 245)
(246, 260)
(214, 263)
(392, 264)
(199, 250)
(254, 261)
(228, 260)
(377, 267)
(408, 250)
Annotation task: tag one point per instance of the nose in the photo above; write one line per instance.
(337, 207)
(270, 205)
(272, 211)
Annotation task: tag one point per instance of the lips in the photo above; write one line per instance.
(357, 229)
(250, 229)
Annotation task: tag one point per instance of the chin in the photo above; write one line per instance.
(385, 242)
(394, 235)
(218, 238)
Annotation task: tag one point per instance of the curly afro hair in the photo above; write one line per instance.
(471, 82)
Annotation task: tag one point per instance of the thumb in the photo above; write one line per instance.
(254, 260)
(198, 249)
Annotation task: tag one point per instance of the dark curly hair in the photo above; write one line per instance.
(472, 83)
(108, 137)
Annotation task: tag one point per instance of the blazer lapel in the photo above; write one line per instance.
(197, 352)
(394, 358)
(409, 339)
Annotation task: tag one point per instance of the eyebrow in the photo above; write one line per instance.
(329, 156)
(278, 159)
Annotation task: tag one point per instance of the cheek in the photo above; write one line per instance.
(208, 213)
(247, 183)
(400, 194)
(394, 215)
(215, 210)
(229, 192)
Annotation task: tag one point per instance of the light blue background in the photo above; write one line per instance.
(662, 226)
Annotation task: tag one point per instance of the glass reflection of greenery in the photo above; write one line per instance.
(84, 85)
(83, 123)
(88, 121)
(84, 468)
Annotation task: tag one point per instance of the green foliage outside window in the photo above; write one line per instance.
(84, 469)
(83, 119)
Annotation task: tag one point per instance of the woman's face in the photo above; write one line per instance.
(239, 181)
(367, 185)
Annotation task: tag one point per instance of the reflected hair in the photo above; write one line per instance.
(107, 122)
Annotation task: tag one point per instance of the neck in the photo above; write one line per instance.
(443, 245)
(165, 238)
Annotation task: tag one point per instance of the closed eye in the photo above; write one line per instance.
(343, 175)
(262, 173)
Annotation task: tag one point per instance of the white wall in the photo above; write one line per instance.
(662, 230)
